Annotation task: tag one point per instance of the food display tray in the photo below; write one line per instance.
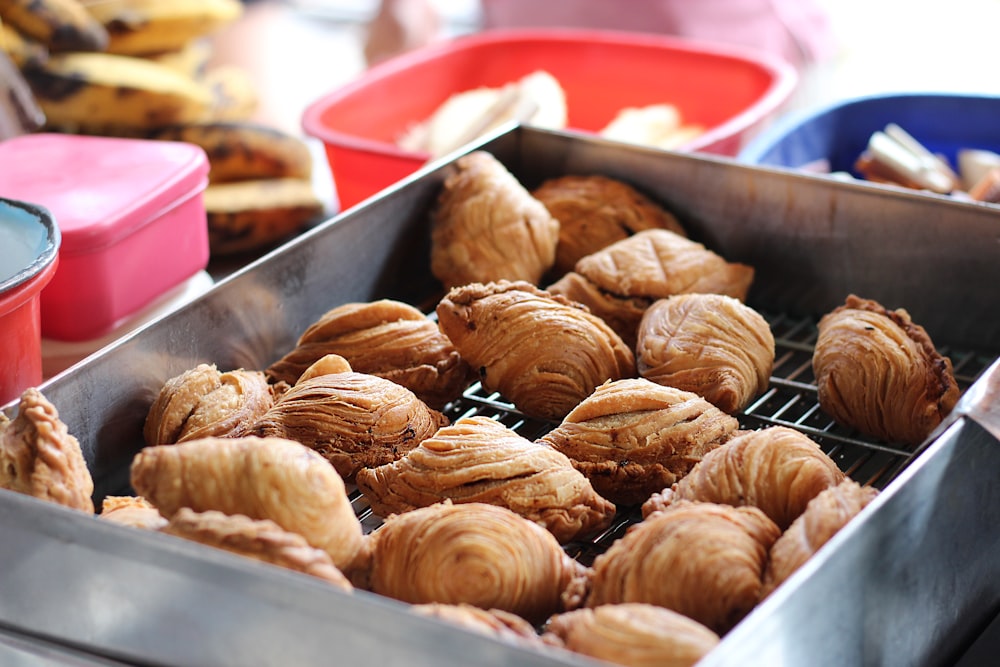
(911, 581)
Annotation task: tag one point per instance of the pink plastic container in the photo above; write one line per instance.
(729, 90)
(29, 245)
(132, 220)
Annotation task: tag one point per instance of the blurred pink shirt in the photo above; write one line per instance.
(797, 30)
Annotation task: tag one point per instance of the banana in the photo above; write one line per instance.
(239, 151)
(84, 91)
(139, 27)
(233, 91)
(251, 215)
(191, 60)
(24, 51)
(60, 25)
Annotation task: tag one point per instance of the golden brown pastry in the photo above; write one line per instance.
(262, 540)
(38, 456)
(479, 460)
(702, 560)
(476, 554)
(328, 364)
(823, 517)
(633, 437)
(386, 338)
(777, 469)
(634, 634)
(541, 352)
(496, 623)
(878, 371)
(262, 478)
(354, 420)
(621, 281)
(709, 344)
(487, 227)
(132, 511)
(202, 402)
(594, 212)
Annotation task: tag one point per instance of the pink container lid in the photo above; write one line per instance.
(99, 189)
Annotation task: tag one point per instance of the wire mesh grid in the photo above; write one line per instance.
(791, 400)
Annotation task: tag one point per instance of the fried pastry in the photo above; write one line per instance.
(386, 338)
(202, 402)
(634, 634)
(262, 540)
(541, 352)
(632, 437)
(476, 554)
(702, 560)
(261, 478)
(709, 344)
(823, 517)
(776, 469)
(878, 372)
(354, 420)
(496, 623)
(594, 212)
(621, 281)
(328, 364)
(479, 460)
(38, 456)
(487, 227)
(132, 511)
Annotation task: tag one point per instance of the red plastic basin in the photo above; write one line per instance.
(730, 91)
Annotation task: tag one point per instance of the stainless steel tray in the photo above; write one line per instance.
(919, 555)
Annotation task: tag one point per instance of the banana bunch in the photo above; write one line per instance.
(140, 69)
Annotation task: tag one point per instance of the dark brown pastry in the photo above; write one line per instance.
(496, 623)
(262, 540)
(621, 281)
(202, 403)
(776, 469)
(634, 634)
(38, 456)
(709, 344)
(479, 460)
(879, 373)
(261, 478)
(702, 560)
(633, 437)
(487, 227)
(476, 554)
(596, 211)
(541, 352)
(386, 338)
(823, 517)
(354, 420)
(132, 511)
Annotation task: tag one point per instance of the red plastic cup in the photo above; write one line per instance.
(29, 252)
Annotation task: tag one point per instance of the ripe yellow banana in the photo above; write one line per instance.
(23, 50)
(251, 215)
(233, 91)
(60, 25)
(240, 151)
(139, 27)
(94, 92)
(192, 60)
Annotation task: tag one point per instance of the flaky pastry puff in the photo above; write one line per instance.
(823, 517)
(386, 338)
(133, 511)
(621, 281)
(262, 540)
(496, 623)
(487, 226)
(633, 634)
(702, 560)
(596, 211)
(709, 344)
(478, 459)
(879, 372)
(777, 469)
(262, 478)
(354, 420)
(202, 402)
(541, 352)
(38, 456)
(477, 554)
(632, 437)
